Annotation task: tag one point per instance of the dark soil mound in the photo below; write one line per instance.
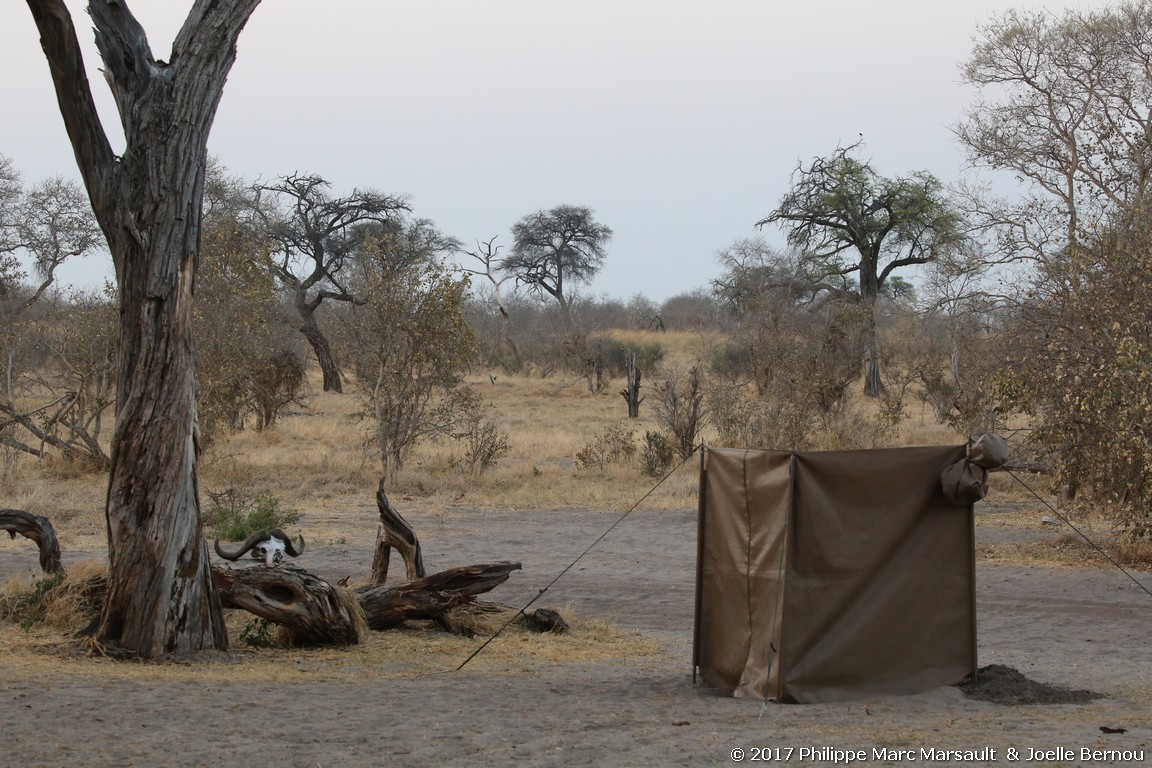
(1005, 685)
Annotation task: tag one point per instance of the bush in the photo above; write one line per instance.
(233, 514)
(657, 455)
(615, 445)
(679, 409)
(484, 445)
(777, 421)
(615, 353)
(733, 362)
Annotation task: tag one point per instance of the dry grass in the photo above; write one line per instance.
(45, 652)
(316, 460)
(318, 456)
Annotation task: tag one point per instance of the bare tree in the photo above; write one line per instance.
(488, 256)
(147, 199)
(1063, 106)
(10, 192)
(554, 249)
(57, 362)
(314, 238)
(55, 223)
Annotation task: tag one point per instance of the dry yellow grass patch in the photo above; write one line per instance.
(42, 652)
(322, 457)
(1068, 549)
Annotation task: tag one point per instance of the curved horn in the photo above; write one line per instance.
(293, 548)
(235, 553)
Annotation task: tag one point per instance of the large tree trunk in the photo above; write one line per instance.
(160, 596)
(873, 382)
(322, 349)
(148, 202)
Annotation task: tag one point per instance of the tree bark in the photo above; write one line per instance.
(873, 382)
(148, 202)
(323, 351)
(504, 339)
(39, 530)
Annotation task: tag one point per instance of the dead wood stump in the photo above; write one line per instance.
(395, 532)
(39, 530)
(545, 620)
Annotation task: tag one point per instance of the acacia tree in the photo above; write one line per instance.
(314, 238)
(147, 199)
(54, 360)
(242, 378)
(554, 249)
(845, 219)
(408, 338)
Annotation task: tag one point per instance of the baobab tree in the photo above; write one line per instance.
(147, 200)
(845, 219)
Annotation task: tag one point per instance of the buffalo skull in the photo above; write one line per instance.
(269, 545)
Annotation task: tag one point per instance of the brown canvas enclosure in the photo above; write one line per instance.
(825, 576)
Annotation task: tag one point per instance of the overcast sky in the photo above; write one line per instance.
(679, 123)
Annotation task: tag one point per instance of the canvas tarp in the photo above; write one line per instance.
(826, 576)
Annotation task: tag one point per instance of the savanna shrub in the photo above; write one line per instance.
(679, 409)
(774, 420)
(615, 445)
(657, 455)
(615, 353)
(235, 514)
(484, 445)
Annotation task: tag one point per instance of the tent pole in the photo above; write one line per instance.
(972, 582)
(700, 506)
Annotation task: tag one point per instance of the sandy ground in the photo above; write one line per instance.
(1078, 627)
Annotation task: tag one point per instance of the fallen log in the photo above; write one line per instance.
(39, 530)
(431, 596)
(313, 612)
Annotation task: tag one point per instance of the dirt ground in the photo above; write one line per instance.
(1082, 628)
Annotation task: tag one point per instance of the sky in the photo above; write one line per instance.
(678, 123)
